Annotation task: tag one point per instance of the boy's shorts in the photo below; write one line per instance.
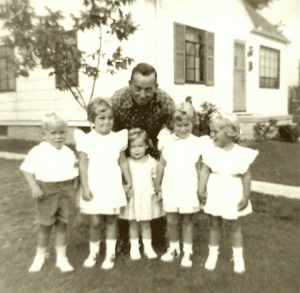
(57, 202)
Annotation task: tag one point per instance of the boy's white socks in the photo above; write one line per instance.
(188, 251)
(61, 259)
(39, 260)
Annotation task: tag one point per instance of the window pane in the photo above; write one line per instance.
(190, 62)
(3, 85)
(2, 64)
(190, 75)
(11, 84)
(190, 49)
(269, 67)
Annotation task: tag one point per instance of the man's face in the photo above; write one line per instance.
(143, 88)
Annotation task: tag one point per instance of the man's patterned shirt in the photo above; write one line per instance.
(151, 118)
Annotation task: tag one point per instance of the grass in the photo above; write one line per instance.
(271, 250)
(277, 162)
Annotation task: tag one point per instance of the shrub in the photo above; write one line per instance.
(263, 131)
(288, 133)
(203, 118)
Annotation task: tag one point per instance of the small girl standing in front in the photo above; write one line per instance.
(225, 171)
(143, 205)
(178, 173)
(102, 162)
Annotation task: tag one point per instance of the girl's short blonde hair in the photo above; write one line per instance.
(136, 133)
(98, 105)
(185, 110)
(52, 117)
(229, 123)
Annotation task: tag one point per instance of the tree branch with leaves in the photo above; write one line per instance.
(43, 40)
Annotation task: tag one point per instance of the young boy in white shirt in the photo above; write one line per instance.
(51, 172)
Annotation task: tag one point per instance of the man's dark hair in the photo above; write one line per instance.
(144, 69)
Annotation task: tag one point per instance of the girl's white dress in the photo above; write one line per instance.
(180, 179)
(143, 206)
(224, 186)
(104, 172)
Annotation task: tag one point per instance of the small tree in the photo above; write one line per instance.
(44, 40)
(259, 4)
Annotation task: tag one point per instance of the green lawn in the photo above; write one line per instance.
(277, 162)
(271, 250)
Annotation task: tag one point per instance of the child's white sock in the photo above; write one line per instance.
(61, 251)
(62, 261)
(147, 243)
(237, 251)
(134, 243)
(211, 261)
(134, 249)
(41, 251)
(94, 247)
(111, 246)
(174, 245)
(239, 265)
(188, 248)
(213, 249)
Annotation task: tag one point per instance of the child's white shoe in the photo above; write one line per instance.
(170, 254)
(90, 261)
(211, 261)
(64, 265)
(239, 265)
(186, 260)
(37, 264)
(150, 253)
(109, 262)
(135, 254)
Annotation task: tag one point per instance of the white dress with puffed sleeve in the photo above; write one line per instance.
(180, 179)
(224, 186)
(104, 172)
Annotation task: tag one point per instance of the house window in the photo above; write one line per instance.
(7, 73)
(66, 72)
(269, 68)
(194, 55)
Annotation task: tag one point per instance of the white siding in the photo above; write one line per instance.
(153, 43)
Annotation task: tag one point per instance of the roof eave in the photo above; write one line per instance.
(271, 36)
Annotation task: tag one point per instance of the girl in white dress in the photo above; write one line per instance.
(177, 174)
(226, 176)
(102, 162)
(143, 205)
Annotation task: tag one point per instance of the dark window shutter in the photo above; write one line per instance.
(179, 53)
(210, 48)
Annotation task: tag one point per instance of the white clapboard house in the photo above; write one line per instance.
(223, 52)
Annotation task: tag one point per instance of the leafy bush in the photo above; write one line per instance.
(203, 118)
(263, 131)
(288, 133)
